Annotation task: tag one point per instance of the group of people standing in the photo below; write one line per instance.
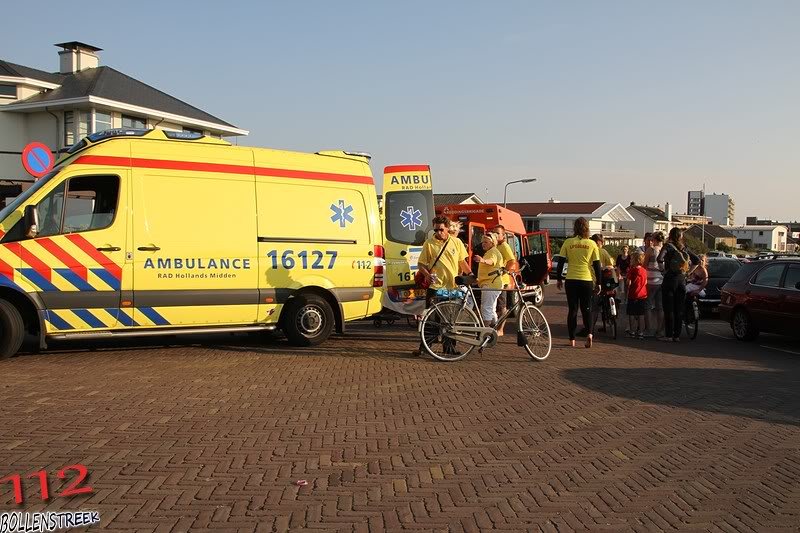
(652, 278)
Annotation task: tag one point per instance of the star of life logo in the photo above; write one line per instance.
(411, 218)
(25, 522)
(342, 213)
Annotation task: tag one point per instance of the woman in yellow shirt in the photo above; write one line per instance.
(488, 277)
(583, 257)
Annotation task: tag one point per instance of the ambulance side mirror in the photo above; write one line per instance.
(31, 221)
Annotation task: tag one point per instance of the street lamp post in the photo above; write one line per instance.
(505, 191)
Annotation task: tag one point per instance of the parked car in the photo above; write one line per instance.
(718, 253)
(763, 295)
(720, 270)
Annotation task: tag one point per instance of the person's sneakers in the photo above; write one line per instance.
(639, 335)
(630, 333)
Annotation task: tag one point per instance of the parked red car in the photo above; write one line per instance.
(763, 295)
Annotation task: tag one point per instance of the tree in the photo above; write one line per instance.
(722, 247)
(696, 245)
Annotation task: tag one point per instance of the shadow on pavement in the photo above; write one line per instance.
(769, 396)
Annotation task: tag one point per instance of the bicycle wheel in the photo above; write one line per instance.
(612, 326)
(446, 317)
(534, 328)
(691, 320)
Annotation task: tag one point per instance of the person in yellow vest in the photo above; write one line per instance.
(510, 262)
(489, 278)
(583, 257)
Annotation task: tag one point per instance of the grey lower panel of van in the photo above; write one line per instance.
(80, 299)
(196, 297)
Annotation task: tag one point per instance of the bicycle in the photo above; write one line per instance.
(608, 306)
(460, 330)
(691, 317)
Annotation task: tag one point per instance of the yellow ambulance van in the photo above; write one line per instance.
(150, 232)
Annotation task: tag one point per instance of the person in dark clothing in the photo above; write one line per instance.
(623, 263)
(675, 258)
(583, 257)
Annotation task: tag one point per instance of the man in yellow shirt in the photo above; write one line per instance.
(510, 262)
(441, 259)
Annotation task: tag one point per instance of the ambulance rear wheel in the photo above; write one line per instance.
(309, 320)
(12, 330)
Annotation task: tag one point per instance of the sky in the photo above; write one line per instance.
(618, 101)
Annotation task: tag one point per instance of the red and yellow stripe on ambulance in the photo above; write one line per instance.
(407, 213)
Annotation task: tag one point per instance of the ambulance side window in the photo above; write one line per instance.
(90, 204)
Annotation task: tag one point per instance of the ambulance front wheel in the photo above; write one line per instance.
(309, 320)
(12, 330)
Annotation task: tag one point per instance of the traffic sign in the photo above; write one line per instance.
(37, 159)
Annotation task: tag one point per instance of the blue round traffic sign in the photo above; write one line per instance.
(37, 159)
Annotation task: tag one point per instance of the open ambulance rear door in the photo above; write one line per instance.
(407, 214)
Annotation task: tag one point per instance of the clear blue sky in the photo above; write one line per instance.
(615, 101)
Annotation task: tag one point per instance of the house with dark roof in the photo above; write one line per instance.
(558, 218)
(712, 235)
(452, 198)
(648, 219)
(83, 97)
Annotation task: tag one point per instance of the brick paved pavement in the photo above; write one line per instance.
(637, 435)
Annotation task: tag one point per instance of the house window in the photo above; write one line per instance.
(83, 124)
(102, 121)
(69, 128)
(8, 91)
(133, 122)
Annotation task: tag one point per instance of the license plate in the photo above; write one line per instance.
(412, 293)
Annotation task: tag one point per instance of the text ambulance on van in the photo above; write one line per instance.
(146, 232)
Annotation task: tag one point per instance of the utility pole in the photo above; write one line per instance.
(703, 213)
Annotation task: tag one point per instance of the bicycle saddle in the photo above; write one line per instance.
(466, 280)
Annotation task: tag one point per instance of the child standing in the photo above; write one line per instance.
(636, 289)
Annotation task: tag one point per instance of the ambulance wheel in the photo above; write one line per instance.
(309, 320)
(12, 330)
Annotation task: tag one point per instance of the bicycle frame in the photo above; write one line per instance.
(486, 331)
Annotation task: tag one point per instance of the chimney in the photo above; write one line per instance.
(668, 211)
(77, 56)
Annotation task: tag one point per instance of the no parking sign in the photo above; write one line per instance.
(37, 159)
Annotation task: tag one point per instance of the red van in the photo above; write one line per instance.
(477, 219)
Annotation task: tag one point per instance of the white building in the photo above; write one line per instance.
(84, 97)
(772, 238)
(648, 219)
(720, 208)
(559, 217)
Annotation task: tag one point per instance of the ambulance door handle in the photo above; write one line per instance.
(403, 252)
(370, 253)
(109, 249)
(148, 248)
